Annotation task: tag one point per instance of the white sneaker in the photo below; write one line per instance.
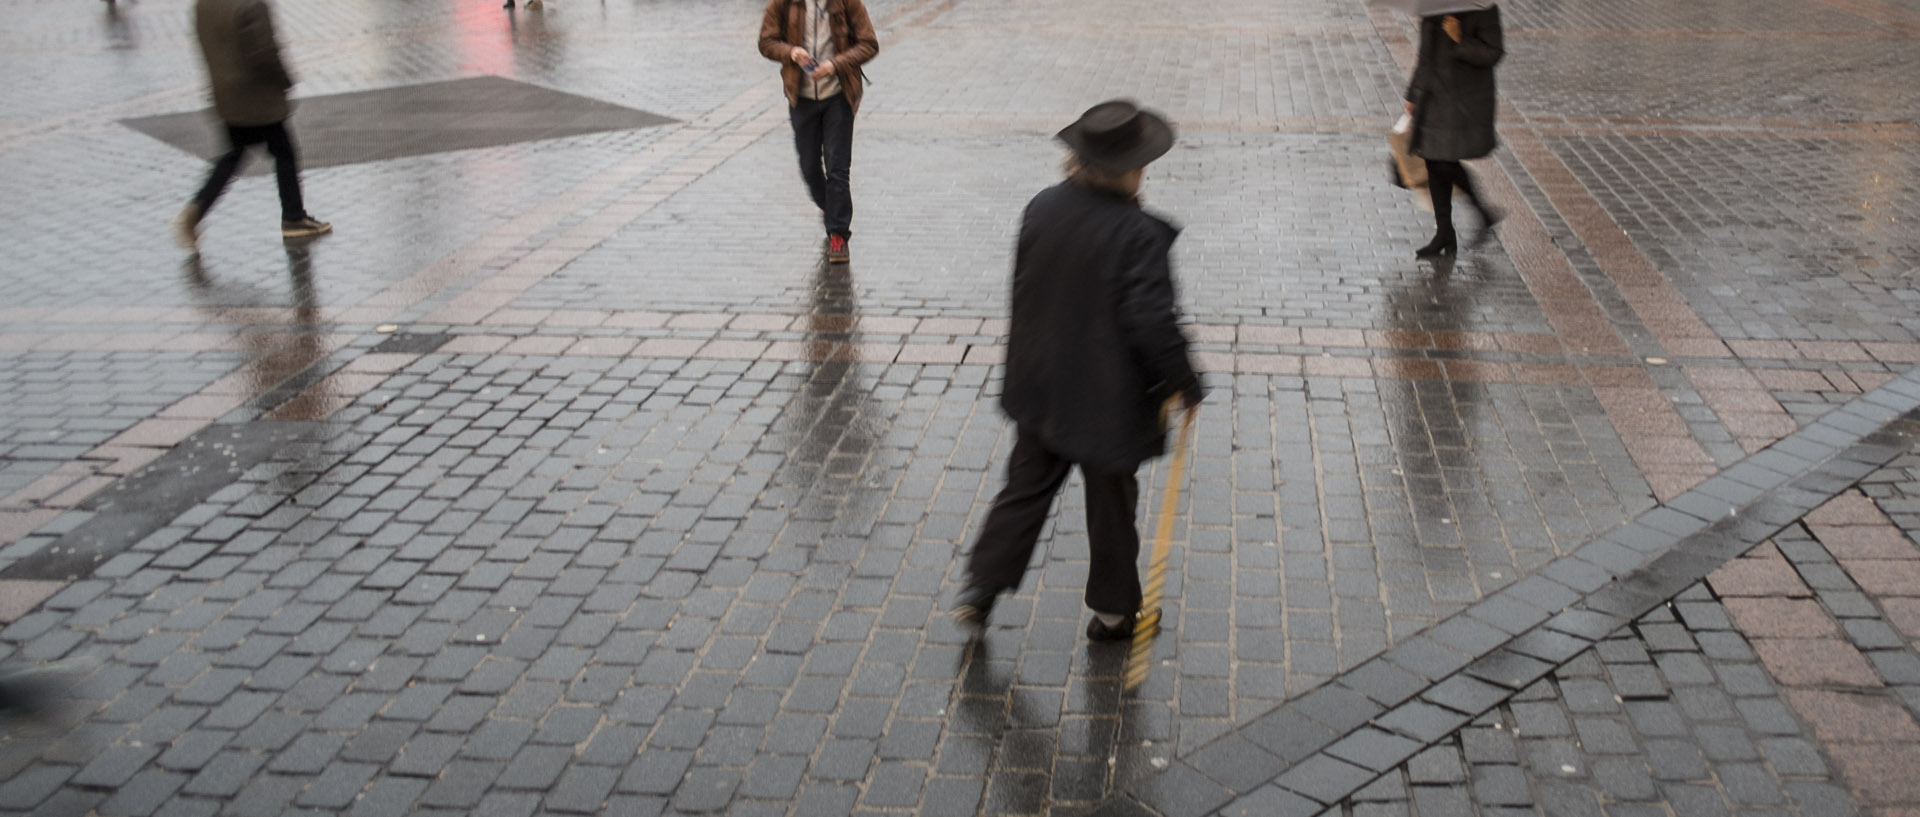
(186, 228)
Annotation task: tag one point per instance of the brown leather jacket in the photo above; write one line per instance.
(784, 26)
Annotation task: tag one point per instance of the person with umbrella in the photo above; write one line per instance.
(1451, 99)
(1094, 349)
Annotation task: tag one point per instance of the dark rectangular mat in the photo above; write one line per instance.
(411, 120)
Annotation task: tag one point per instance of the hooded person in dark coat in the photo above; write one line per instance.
(249, 84)
(1094, 349)
(1452, 100)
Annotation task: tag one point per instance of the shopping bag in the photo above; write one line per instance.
(1409, 171)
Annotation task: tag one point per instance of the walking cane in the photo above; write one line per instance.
(1148, 626)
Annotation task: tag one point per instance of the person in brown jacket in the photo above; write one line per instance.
(250, 86)
(820, 45)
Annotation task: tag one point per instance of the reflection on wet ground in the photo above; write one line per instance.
(280, 334)
(562, 479)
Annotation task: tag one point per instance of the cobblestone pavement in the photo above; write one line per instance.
(563, 479)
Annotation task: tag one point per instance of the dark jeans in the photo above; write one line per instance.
(823, 134)
(1013, 526)
(286, 167)
(1442, 177)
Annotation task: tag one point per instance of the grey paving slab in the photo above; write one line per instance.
(1843, 280)
(1258, 257)
(146, 500)
(1493, 675)
(1721, 86)
(1569, 747)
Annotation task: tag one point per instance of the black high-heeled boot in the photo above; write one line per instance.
(1442, 244)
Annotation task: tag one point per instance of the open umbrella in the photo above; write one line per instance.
(1429, 8)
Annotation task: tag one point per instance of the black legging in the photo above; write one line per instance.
(1443, 176)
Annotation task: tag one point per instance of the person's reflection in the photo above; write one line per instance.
(279, 337)
(1431, 416)
(118, 31)
(538, 47)
(306, 297)
(836, 430)
(254, 314)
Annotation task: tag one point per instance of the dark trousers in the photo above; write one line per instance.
(1442, 177)
(286, 167)
(1013, 526)
(823, 134)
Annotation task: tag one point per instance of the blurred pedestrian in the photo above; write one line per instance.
(250, 86)
(1452, 99)
(1093, 352)
(29, 691)
(820, 45)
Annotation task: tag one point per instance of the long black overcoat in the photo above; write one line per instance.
(1094, 345)
(1453, 90)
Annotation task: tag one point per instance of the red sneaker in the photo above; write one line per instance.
(837, 249)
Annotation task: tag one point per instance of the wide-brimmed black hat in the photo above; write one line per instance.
(1119, 136)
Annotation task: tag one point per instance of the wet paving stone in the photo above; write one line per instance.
(566, 481)
(1570, 743)
(143, 502)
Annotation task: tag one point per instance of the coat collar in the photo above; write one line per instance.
(1167, 229)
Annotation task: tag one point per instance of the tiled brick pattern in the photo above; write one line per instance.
(1862, 662)
(1777, 686)
(1690, 78)
(1674, 714)
(634, 539)
(62, 405)
(1634, 16)
(238, 267)
(1731, 222)
(739, 567)
(947, 253)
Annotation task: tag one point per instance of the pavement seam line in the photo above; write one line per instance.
(1612, 581)
(1835, 599)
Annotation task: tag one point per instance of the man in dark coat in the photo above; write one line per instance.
(250, 86)
(1452, 99)
(1093, 351)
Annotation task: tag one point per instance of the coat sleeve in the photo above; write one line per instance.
(1482, 45)
(1149, 319)
(772, 45)
(1417, 86)
(258, 46)
(860, 31)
